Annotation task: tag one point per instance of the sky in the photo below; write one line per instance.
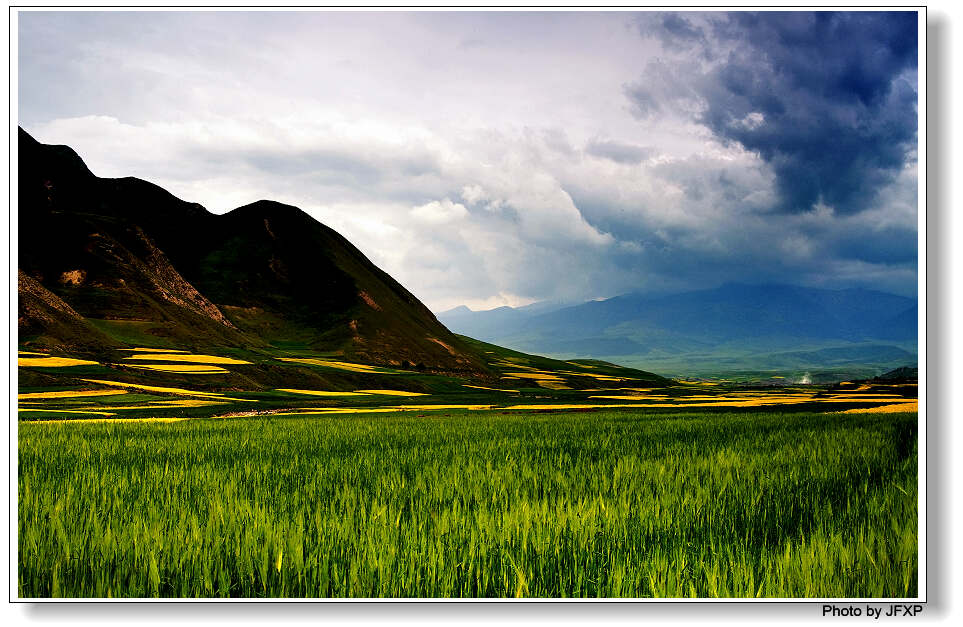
(504, 158)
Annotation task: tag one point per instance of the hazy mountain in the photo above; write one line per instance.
(731, 327)
(113, 262)
(493, 322)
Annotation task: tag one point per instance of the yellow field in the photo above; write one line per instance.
(69, 394)
(631, 397)
(885, 409)
(546, 376)
(197, 359)
(188, 402)
(179, 391)
(66, 411)
(550, 384)
(597, 377)
(181, 369)
(340, 365)
(52, 362)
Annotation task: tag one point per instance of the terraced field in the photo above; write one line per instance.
(519, 383)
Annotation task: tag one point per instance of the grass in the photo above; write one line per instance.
(488, 504)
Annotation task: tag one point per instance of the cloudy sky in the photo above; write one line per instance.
(505, 158)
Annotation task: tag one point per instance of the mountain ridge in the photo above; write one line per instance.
(136, 262)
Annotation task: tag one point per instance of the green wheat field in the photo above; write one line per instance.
(472, 504)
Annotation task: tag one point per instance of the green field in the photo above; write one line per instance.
(623, 503)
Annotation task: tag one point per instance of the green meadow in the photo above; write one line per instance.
(500, 503)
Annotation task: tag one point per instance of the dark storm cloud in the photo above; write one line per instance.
(828, 100)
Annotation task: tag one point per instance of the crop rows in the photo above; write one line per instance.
(472, 505)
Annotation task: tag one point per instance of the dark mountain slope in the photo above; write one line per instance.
(130, 258)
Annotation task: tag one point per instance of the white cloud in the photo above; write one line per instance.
(439, 212)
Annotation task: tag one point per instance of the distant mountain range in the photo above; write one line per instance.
(734, 327)
(108, 263)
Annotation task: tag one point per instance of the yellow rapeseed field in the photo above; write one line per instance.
(65, 411)
(52, 362)
(69, 394)
(164, 390)
(181, 369)
(198, 359)
(340, 365)
(885, 409)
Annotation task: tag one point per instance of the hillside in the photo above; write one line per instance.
(108, 263)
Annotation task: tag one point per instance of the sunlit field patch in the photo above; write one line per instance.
(886, 409)
(68, 394)
(631, 397)
(338, 365)
(157, 405)
(545, 376)
(53, 362)
(166, 390)
(97, 411)
(551, 384)
(597, 377)
(199, 359)
(392, 392)
(181, 369)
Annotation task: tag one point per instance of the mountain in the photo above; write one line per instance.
(732, 327)
(107, 263)
(493, 322)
